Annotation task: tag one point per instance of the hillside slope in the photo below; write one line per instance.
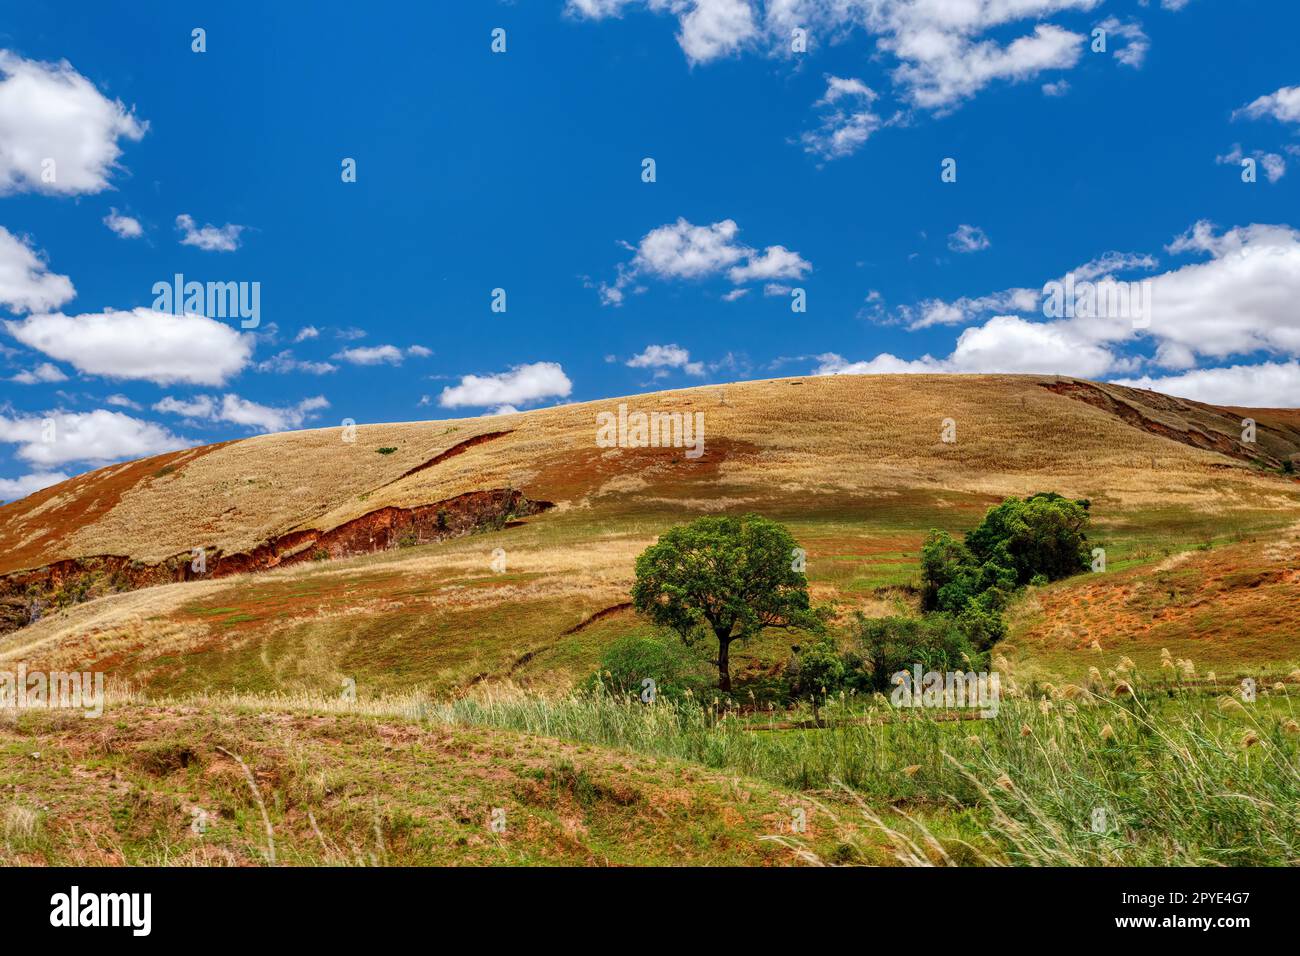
(854, 464)
(841, 434)
(163, 785)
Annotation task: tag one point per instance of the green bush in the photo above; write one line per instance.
(1021, 541)
(817, 671)
(952, 577)
(1041, 534)
(674, 667)
(888, 645)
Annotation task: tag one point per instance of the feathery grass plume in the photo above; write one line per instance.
(1249, 739)
(1094, 674)
(1094, 646)
(911, 771)
(1107, 732)
(1295, 674)
(1230, 704)
(1290, 726)
(1126, 664)
(1279, 688)
(1121, 689)
(1165, 655)
(1026, 730)
(1211, 677)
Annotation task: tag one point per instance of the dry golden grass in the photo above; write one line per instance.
(862, 435)
(854, 463)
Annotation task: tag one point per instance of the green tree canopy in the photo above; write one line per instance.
(725, 576)
(1042, 534)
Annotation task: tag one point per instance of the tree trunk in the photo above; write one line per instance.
(724, 664)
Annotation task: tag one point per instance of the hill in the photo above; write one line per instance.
(447, 553)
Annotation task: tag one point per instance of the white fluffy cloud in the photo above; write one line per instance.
(1273, 163)
(847, 119)
(943, 49)
(968, 309)
(1241, 300)
(11, 489)
(209, 238)
(1133, 52)
(961, 311)
(1006, 343)
(95, 437)
(240, 411)
(520, 385)
(940, 69)
(26, 283)
(774, 262)
(285, 362)
(707, 29)
(968, 238)
(140, 344)
(714, 28)
(1266, 385)
(666, 357)
(126, 227)
(371, 355)
(41, 374)
(1282, 105)
(265, 418)
(58, 134)
(682, 250)
(1238, 302)
(199, 407)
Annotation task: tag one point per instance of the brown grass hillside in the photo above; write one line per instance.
(843, 435)
(853, 464)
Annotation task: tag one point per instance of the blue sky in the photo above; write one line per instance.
(779, 175)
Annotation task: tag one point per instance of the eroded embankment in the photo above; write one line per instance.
(25, 594)
(1198, 438)
(457, 449)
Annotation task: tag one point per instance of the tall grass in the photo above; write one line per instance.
(1164, 775)
(1158, 778)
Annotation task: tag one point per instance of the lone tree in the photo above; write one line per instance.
(728, 576)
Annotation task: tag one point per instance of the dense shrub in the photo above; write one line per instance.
(1042, 534)
(1021, 541)
(817, 671)
(891, 644)
(674, 667)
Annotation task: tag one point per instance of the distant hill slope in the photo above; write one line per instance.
(503, 547)
(822, 435)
